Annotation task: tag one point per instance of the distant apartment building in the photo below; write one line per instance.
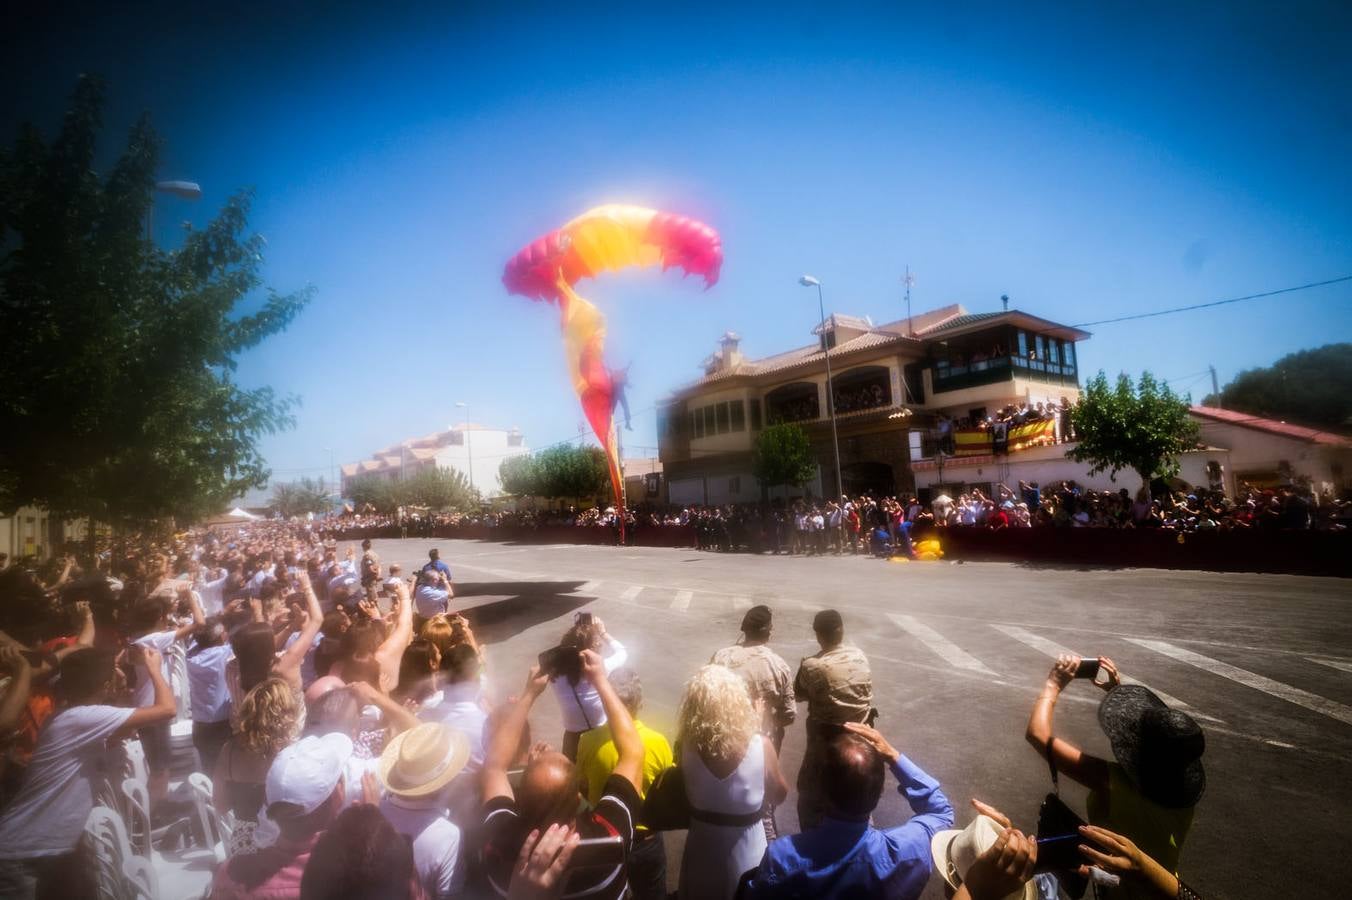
(476, 451)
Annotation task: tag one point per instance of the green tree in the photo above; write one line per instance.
(1312, 387)
(374, 491)
(116, 356)
(519, 476)
(783, 455)
(436, 488)
(300, 497)
(1143, 427)
(574, 472)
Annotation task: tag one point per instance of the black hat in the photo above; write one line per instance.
(1159, 748)
(756, 620)
(826, 621)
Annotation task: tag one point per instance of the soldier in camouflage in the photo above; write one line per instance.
(838, 688)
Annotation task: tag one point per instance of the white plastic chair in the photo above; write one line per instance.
(178, 676)
(106, 836)
(138, 879)
(215, 829)
(143, 835)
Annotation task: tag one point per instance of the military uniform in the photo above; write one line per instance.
(838, 688)
(768, 677)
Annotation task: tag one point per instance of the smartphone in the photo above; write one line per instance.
(602, 852)
(1088, 668)
(1059, 853)
(584, 618)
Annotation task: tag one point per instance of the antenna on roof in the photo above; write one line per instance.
(1004, 301)
(909, 279)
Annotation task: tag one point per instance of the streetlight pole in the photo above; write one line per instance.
(469, 450)
(333, 474)
(809, 281)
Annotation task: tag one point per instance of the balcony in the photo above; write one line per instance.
(997, 369)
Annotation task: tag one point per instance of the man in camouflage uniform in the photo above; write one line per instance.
(838, 688)
(768, 679)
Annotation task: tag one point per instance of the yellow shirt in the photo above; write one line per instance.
(597, 756)
(1156, 830)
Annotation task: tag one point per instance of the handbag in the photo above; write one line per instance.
(1054, 820)
(666, 806)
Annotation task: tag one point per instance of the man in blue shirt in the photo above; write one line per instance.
(845, 856)
(435, 563)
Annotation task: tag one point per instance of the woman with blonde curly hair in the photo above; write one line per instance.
(269, 720)
(731, 773)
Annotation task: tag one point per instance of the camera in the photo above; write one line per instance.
(562, 660)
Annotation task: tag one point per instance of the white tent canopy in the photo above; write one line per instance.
(238, 513)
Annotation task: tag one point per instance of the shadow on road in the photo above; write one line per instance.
(528, 603)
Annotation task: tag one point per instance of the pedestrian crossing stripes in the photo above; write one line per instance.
(590, 587)
(1339, 664)
(741, 604)
(1053, 649)
(631, 593)
(682, 600)
(1286, 692)
(940, 645)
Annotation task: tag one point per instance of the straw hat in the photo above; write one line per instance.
(955, 850)
(422, 760)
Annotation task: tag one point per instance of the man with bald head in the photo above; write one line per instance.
(845, 855)
(552, 790)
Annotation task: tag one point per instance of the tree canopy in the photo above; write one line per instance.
(559, 472)
(117, 356)
(1143, 427)
(436, 488)
(783, 455)
(1311, 387)
(297, 498)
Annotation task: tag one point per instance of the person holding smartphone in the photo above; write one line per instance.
(1150, 791)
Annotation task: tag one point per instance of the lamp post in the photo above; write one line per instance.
(333, 475)
(184, 190)
(809, 281)
(469, 451)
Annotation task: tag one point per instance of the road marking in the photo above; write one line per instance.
(591, 588)
(631, 593)
(681, 601)
(741, 603)
(1330, 708)
(1053, 649)
(940, 645)
(1332, 663)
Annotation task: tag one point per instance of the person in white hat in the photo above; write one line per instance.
(416, 770)
(304, 794)
(987, 860)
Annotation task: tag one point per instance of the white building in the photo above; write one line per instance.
(475, 451)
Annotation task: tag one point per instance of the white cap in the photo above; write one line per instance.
(306, 773)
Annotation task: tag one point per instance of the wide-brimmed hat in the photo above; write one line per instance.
(422, 760)
(955, 850)
(1159, 748)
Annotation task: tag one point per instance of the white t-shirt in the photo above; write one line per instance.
(435, 839)
(580, 704)
(208, 694)
(212, 595)
(48, 815)
(145, 690)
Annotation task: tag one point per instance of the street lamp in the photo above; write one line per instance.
(809, 281)
(184, 190)
(333, 474)
(469, 451)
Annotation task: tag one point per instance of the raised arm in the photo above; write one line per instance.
(400, 718)
(163, 709)
(288, 664)
(1088, 770)
(628, 744)
(505, 740)
(13, 661)
(182, 632)
(389, 652)
(931, 807)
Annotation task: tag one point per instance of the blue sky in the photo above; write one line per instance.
(1089, 163)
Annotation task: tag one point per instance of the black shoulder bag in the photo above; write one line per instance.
(1058, 835)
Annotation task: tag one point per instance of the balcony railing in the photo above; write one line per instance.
(1000, 368)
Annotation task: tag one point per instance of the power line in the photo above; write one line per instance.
(1165, 312)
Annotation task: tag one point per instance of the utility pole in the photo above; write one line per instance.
(1215, 386)
(910, 280)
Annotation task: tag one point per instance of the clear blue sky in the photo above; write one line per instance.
(1087, 162)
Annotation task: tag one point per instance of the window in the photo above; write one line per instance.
(738, 416)
(1041, 347)
(1070, 355)
(722, 417)
(1054, 351)
(1023, 344)
(755, 414)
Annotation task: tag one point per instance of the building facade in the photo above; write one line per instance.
(474, 451)
(890, 387)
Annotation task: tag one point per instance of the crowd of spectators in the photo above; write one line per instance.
(342, 713)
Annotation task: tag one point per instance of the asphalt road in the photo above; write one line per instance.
(959, 652)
